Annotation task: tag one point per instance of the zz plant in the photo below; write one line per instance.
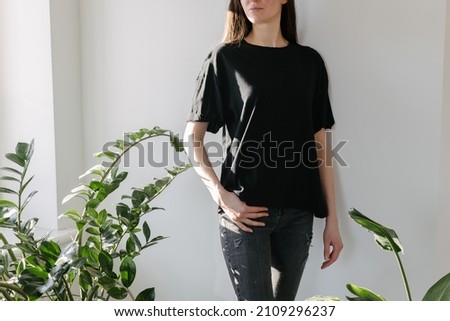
(99, 264)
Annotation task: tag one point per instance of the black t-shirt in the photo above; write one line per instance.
(270, 103)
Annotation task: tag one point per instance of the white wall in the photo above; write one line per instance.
(443, 239)
(26, 97)
(67, 96)
(138, 61)
(385, 60)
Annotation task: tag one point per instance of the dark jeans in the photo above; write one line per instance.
(268, 264)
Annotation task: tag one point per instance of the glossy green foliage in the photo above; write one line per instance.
(388, 240)
(101, 258)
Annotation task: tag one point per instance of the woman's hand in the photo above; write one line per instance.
(240, 213)
(332, 244)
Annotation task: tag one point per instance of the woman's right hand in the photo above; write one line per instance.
(240, 213)
(243, 215)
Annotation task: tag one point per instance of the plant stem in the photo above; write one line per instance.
(5, 295)
(399, 261)
(126, 150)
(131, 295)
(15, 289)
(405, 280)
(67, 286)
(92, 293)
(19, 203)
(10, 251)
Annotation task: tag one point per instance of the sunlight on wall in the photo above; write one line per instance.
(26, 102)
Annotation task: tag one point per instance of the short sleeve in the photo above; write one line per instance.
(322, 112)
(207, 105)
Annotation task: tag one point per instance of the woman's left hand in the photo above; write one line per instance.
(332, 243)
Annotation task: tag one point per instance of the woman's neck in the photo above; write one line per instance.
(266, 36)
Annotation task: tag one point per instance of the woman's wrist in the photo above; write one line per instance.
(332, 218)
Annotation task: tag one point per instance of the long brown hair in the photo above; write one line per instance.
(237, 26)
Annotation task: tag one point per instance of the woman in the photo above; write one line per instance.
(270, 97)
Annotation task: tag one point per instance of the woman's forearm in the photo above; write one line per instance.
(194, 145)
(326, 174)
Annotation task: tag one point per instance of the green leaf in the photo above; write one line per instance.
(24, 186)
(440, 291)
(7, 191)
(31, 283)
(73, 215)
(107, 282)
(85, 280)
(93, 231)
(146, 230)
(7, 204)
(106, 190)
(50, 250)
(118, 293)
(16, 159)
(120, 144)
(138, 197)
(30, 151)
(78, 191)
(92, 213)
(93, 240)
(107, 154)
(120, 177)
(106, 262)
(127, 272)
(136, 136)
(93, 255)
(130, 245)
(36, 271)
(364, 294)
(68, 198)
(162, 182)
(28, 199)
(136, 241)
(146, 295)
(123, 210)
(176, 143)
(102, 216)
(9, 178)
(157, 239)
(12, 170)
(81, 224)
(96, 185)
(93, 203)
(150, 191)
(23, 150)
(97, 170)
(385, 237)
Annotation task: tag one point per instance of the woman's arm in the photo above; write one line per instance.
(331, 236)
(242, 214)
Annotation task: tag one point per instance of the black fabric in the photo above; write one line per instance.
(271, 101)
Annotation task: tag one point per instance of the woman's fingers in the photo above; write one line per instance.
(240, 213)
(243, 227)
(255, 209)
(248, 217)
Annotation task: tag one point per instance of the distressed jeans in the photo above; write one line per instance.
(267, 264)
